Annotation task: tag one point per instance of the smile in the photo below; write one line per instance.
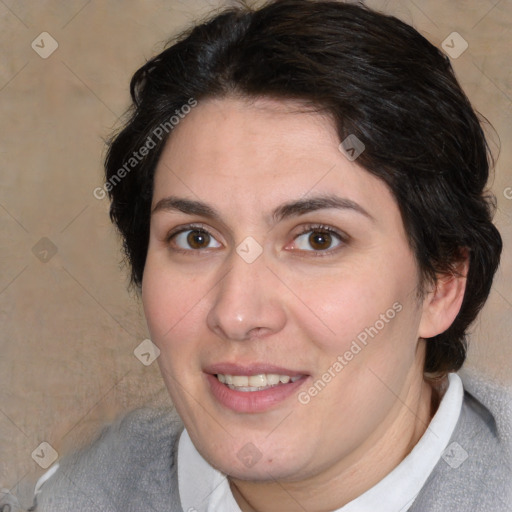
(251, 383)
(253, 393)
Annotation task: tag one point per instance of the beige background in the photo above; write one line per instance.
(69, 327)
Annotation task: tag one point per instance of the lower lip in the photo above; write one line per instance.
(252, 401)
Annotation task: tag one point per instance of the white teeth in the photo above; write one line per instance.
(240, 380)
(272, 379)
(255, 382)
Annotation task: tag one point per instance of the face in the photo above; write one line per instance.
(271, 253)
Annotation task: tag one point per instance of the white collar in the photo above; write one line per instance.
(203, 488)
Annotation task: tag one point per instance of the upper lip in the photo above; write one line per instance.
(250, 369)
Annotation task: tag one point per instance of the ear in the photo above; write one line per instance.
(442, 304)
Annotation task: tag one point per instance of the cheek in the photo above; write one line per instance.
(368, 306)
(176, 306)
(168, 299)
(171, 306)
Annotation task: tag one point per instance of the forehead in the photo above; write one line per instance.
(241, 153)
(231, 132)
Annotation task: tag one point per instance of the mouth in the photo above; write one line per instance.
(259, 382)
(252, 389)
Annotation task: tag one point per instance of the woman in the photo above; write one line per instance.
(300, 189)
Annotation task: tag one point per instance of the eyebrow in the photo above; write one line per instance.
(284, 211)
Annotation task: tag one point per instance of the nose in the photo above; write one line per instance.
(247, 304)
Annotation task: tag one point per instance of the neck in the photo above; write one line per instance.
(344, 482)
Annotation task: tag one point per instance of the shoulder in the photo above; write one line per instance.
(493, 401)
(130, 466)
(475, 472)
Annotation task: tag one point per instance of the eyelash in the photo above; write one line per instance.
(321, 228)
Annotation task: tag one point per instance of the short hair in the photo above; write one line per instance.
(378, 79)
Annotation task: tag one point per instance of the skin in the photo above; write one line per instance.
(295, 306)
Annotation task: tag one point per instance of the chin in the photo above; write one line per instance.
(249, 463)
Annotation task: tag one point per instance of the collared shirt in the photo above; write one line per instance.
(205, 489)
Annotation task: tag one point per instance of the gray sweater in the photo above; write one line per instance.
(132, 466)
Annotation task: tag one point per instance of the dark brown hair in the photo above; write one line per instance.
(380, 80)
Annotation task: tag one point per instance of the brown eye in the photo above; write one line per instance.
(320, 240)
(193, 240)
(198, 239)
